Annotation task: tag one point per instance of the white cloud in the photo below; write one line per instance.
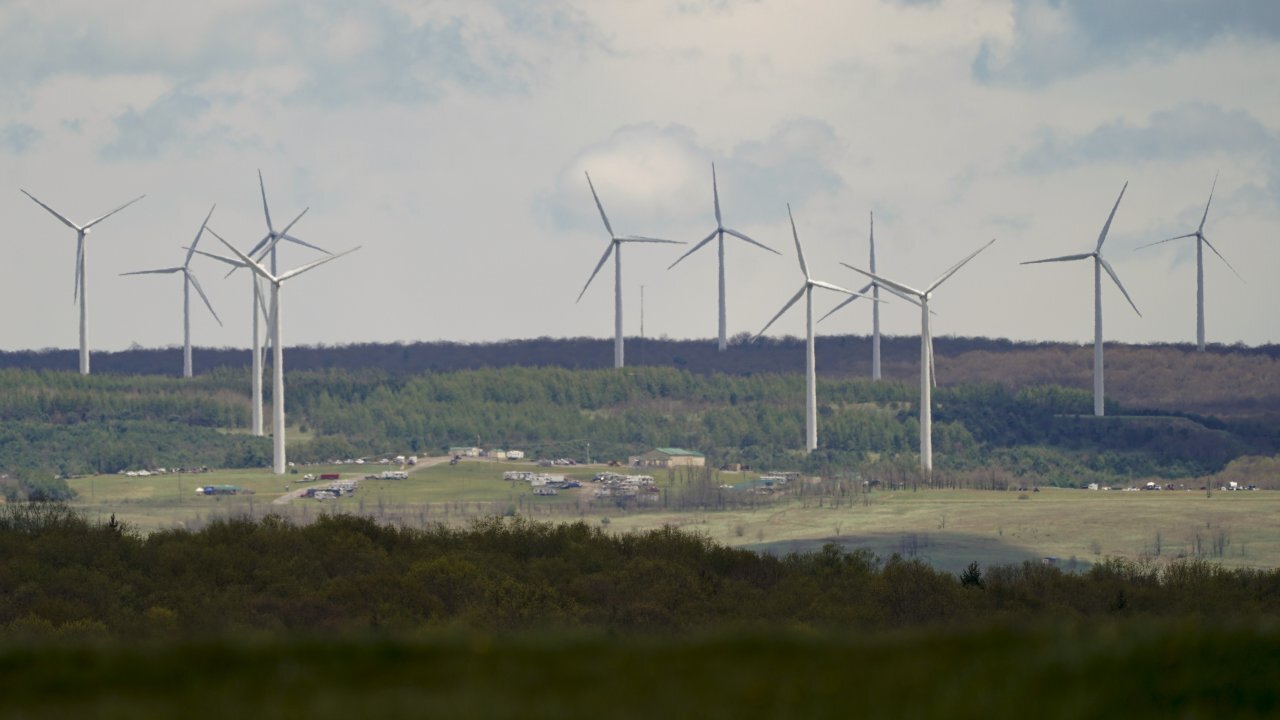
(449, 138)
(1052, 39)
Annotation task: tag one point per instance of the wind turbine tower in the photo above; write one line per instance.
(718, 235)
(277, 362)
(265, 246)
(926, 349)
(1099, 264)
(811, 377)
(874, 286)
(188, 280)
(1201, 243)
(615, 247)
(80, 290)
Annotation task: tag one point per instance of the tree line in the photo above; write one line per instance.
(65, 424)
(348, 573)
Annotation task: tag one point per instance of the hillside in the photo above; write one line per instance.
(1226, 381)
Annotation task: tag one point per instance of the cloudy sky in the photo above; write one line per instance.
(449, 139)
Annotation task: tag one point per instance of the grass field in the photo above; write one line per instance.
(948, 528)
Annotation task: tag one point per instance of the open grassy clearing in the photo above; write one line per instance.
(948, 528)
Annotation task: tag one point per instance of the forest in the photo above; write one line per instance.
(350, 573)
(57, 423)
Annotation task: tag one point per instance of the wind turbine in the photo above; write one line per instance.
(188, 281)
(258, 308)
(811, 380)
(718, 234)
(269, 241)
(926, 349)
(80, 289)
(1201, 242)
(265, 246)
(615, 247)
(277, 360)
(875, 286)
(1099, 264)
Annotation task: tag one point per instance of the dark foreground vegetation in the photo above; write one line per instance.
(509, 618)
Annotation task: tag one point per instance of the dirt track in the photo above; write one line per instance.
(423, 463)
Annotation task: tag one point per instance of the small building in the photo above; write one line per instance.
(668, 458)
(464, 451)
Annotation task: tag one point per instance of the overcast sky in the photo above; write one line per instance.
(449, 138)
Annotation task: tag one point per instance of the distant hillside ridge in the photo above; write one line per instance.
(1226, 380)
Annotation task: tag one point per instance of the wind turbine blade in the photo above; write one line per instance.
(75, 292)
(298, 271)
(905, 297)
(715, 191)
(1159, 242)
(695, 248)
(265, 211)
(1206, 205)
(1107, 266)
(261, 247)
(100, 218)
(837, 288)
(804, 268)
(943, 278)
(55, 213)
(293, 222)
(872, 239)
(740, 236)
(933, 368)
(248, 262)
(846, 301)
(886, 283)
(161, 271)
(259, 251)
(1064, 258)
(794, 299)
(599, 207)
(603, 259)
(861, 294)
(221, 258)
(642, 238)
(1215, 252)
(303, 243)
(191, 250)
(196, 284)
(1102, 237)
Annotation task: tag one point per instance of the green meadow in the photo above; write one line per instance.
(947, 528)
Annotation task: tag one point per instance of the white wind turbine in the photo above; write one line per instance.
(1201, 242)
(265, 246)
(80, 289)
(258, 308)
(615, 247)
(811, 380)
(277, 360)
(1099, 264)
(718, 234)
(188, 281)
(875, 286)
(926, 349)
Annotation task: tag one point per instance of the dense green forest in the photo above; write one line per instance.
(59, 423)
